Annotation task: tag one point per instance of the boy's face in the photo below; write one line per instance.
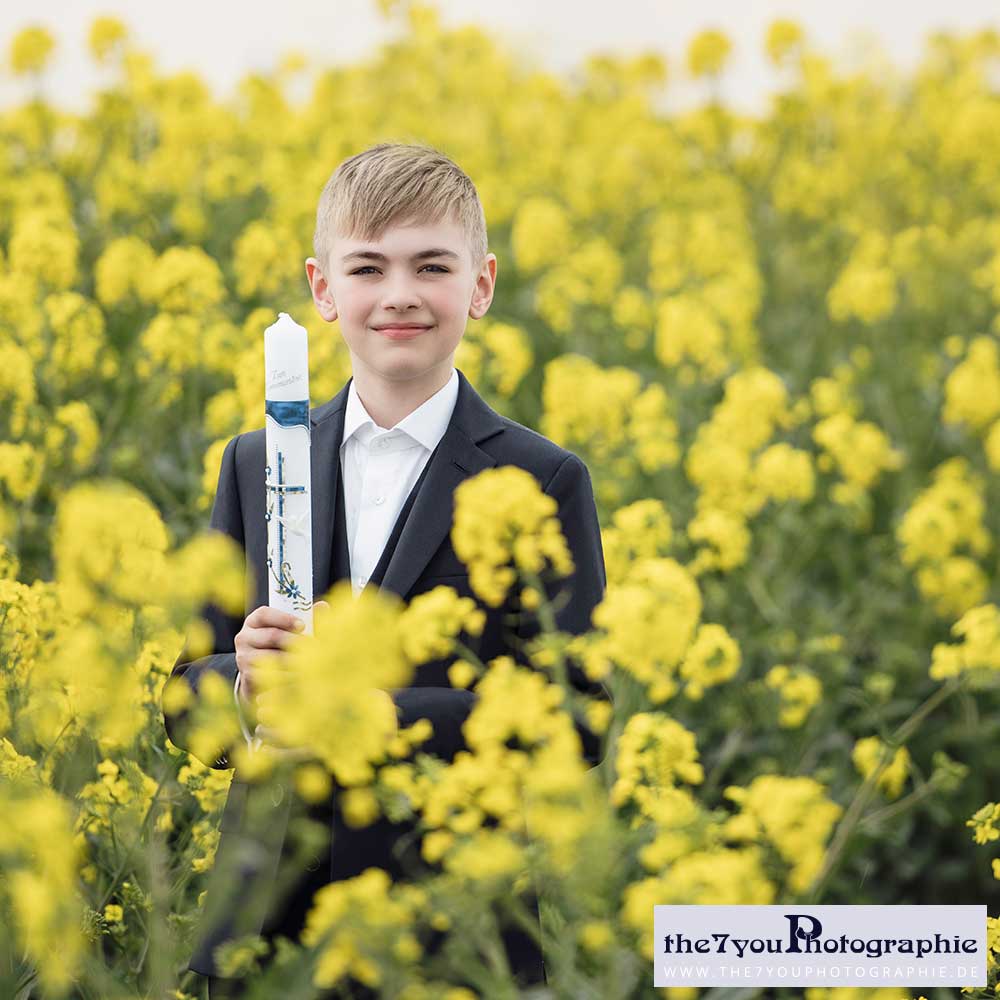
(368, 295)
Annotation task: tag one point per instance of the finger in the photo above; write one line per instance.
(277, 657)
(268, 617)
(247, 692)
(270, 638)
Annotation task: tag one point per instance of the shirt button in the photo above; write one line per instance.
(379, 499)
(363, 580)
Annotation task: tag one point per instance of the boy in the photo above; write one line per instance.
(401, 262)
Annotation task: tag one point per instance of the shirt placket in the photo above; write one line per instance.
(374, 508)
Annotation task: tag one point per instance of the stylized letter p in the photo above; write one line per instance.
(797, 933)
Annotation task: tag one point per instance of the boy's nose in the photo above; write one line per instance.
(401, 298)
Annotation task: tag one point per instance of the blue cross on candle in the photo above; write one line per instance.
(286, 585)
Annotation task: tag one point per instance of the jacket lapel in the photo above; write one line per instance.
(456, 458)
(326, 435)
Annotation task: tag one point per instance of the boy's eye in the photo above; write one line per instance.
(368, 267)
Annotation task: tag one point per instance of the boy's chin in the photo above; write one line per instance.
(412, 358)
(397, 367)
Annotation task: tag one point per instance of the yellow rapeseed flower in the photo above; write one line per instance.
(30, 50)
(185, 279)
(866, 756)
(646, 622)
(708, 52)
(784, 473)
(44, 249)
(861, 450)
(359, 806)
(794, 814)
(540, 234)
(800, 691)
(972, 390)
(708, 877)
(505, 525)
(725, 536)
(434, 619)
(312, 782)
(654, 752)
(109, 543)
(866, 288)
(355, 916)
(979, 646)
(106, 36)
(21, 469)
(984, 823)
(122, 270)
(336, 702)
(713, 657)
(783, 37)
(637, 530)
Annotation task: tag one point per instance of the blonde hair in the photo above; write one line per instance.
(395, 183)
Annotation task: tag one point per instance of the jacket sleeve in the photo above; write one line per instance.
(575, 597)
(226, 517)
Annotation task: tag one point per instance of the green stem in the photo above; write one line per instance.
(763, 601)
(469, 656)
(629, 697)
(729, 749)
(907, 728)
(887, 812)
(547, 618)
(132, 847)
(48, 750)
(516, 909)
(854, 811)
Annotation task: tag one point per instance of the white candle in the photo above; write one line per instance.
(288, 480)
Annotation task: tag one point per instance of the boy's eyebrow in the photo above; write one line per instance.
(420, 255)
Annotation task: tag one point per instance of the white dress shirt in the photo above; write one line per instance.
(378, 468)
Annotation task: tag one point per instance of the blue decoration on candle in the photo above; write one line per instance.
(288, 412)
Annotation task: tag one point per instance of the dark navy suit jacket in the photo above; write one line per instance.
(420, 558)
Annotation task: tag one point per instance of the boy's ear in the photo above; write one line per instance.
(485, 286)
(321, 294)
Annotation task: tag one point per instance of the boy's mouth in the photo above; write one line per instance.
(401, 332)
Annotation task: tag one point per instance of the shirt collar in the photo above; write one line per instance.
(426, 424)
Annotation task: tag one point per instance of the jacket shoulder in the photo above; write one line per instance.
(251, 440)
(532, 451)
(249, 446)
(249, 458)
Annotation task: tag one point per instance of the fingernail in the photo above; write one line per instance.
(299, 626)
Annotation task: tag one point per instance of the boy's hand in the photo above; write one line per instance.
(265, 629)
